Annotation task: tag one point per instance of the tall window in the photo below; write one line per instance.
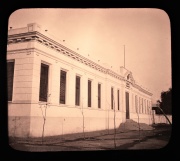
(99, 95)
(150, 107)
(112, 97)
(10, 76)
(63, 87)
(43, 92)
(77, 101)
(133, 102)
(145, 109)
(142, 105)
(89, 93)
(118, 98)
(139, 105)
(136, 104)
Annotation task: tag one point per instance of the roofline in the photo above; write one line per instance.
(43, 39)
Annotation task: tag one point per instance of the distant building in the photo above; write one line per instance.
(47, 79)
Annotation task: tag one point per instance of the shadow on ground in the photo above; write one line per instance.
(129, 135)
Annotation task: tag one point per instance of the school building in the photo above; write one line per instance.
(55, 89)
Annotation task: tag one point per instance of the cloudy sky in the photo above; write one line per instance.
(144, 35)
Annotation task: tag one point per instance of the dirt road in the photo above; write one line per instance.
(157, 138)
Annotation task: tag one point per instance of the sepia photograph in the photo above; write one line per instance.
(89, 79)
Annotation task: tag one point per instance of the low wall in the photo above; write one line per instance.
(162, 119)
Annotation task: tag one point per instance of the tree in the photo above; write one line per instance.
(166, 102)
(44, 116)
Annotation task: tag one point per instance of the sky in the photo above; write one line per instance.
(140, 36)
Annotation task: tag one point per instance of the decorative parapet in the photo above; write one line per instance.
(24, 37)
(39, 37)
(142, 90)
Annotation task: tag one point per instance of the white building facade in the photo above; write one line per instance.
(52, 88)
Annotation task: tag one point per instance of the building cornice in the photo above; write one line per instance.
(141, 89)
(44, 40)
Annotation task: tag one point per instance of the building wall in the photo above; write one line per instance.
(19, 108)
(68, 115)
(26, 113)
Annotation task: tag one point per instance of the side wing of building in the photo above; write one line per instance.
(50, 84)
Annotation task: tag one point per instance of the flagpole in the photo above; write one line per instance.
(124, 56)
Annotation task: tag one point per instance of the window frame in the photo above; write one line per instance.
(99, 95)
(77, 92)
(64, 86)
(112, 98)
(10, 94)
(139, 104)
(118, 99)
(89, 93)
(136, 103)
(45, 99)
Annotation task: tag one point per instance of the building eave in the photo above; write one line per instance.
(54, 45)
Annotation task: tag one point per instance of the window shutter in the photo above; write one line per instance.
(111, 98)
(10, 77)
(63, 87)
(99, 95)
(118, 98)
(89, 93)
(43, 83)
(77, 90)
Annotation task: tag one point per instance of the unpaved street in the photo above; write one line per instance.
(157, 138)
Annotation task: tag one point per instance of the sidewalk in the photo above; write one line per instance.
(128, 136)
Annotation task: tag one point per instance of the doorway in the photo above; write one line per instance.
(127, 105)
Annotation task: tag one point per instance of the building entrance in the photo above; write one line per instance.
(127, 105)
